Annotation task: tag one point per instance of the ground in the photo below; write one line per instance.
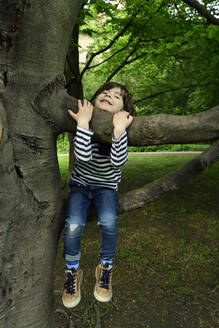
(167, 256)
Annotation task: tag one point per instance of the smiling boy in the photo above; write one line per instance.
(95, 180)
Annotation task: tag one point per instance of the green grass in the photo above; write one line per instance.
(63, 166)
(167, 254)
(171, 147)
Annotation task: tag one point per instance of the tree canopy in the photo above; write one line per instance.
(166, 52)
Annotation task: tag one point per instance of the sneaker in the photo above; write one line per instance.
(103, 288)
(72, 293)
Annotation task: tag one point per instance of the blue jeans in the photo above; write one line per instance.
(79, 202)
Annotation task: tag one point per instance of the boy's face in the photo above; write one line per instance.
(110, 100)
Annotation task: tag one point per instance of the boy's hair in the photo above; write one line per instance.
(127, 98)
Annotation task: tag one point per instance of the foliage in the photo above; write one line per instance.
(163, 51)
(62, 143)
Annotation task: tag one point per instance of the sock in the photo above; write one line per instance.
(107, 261)
(72, 264)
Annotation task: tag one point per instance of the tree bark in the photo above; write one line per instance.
(74, 85)
(34, 41)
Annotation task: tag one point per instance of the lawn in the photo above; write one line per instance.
(167, 256)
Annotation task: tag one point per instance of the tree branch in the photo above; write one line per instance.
(118, 35)
(53, 102)
(177, 9)
(211, 19)
(171, 90)
(110, 57)
(136, 58)
(172, 181)
(162, 129)
(124, 63)
(121, 65)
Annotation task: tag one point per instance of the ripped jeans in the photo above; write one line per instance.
(79, 203)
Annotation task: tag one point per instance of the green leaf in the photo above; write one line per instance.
(170, 45)
(178, 39)
(213, 32)
(188, 34)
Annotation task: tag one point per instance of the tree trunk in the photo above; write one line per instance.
(74, 85)
(34, 42)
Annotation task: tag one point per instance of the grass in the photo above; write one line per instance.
(167, 255)
(171, 147)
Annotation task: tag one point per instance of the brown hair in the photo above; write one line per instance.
(127, 98)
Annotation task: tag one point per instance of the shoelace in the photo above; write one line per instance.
(105, 278)
(69, 285)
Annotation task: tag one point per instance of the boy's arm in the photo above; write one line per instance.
(82, 140)
(82, 144)
(119, 149)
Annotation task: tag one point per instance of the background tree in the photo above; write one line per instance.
(33, 112)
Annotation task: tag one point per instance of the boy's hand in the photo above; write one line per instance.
(84, 114)
(121, 121)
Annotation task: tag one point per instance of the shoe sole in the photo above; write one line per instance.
(77, 301)
(98, 297)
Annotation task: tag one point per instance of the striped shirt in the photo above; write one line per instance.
(93, 168)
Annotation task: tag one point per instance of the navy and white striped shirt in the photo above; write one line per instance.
(93, 168)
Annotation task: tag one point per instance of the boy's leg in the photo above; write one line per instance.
(106, 202)
(76, 216)
(78, 204)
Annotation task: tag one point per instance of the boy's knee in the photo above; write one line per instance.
(109, 226)
(73, 228)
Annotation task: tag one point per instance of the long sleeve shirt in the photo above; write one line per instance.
(94, 168)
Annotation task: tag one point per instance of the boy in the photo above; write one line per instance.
(95, 180)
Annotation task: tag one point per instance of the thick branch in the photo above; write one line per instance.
(172, 181)
(53, 101)
(167, 129)
(202, 11)
(163, 128)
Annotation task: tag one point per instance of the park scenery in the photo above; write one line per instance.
(166, 53)
(166, 264)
